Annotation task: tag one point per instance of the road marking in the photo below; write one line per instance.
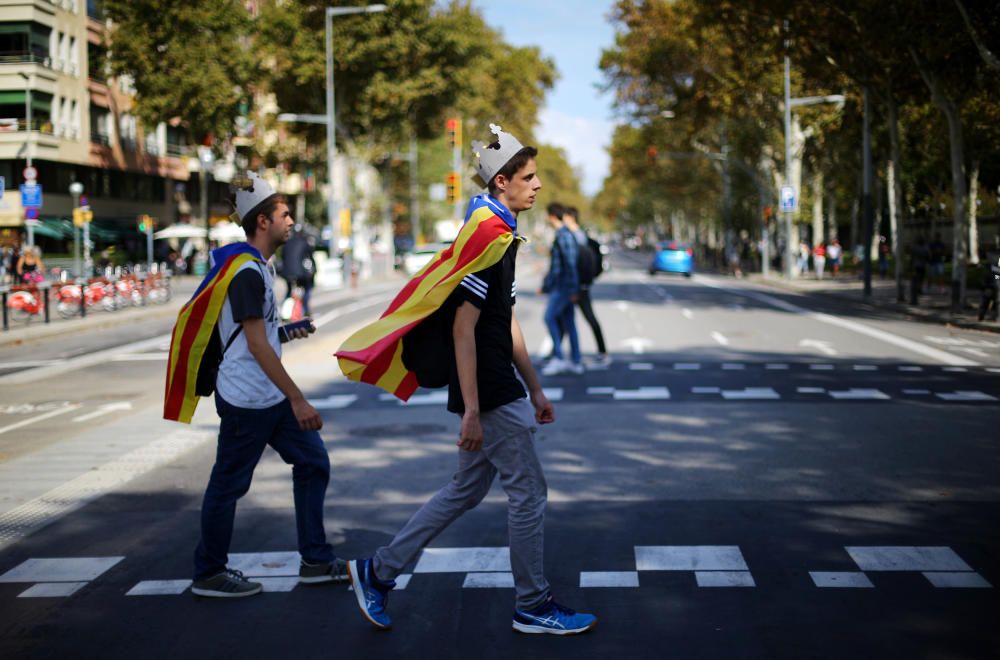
(488, 581)
(888, 337)
(687, 313)
(600, 390)
(810, 390)
(865, 367)
(974, 351)
(906, 558)
(104, 410)
(26, 422)
(720, 338)
(841, 580)
(637, 344)
(689, 558)
(463, 560)
(821, 367)
(859, 394)
(960, 341)
(27, 364)
(955, 369)
(705, 390)
(965, 395)
(436, 397)
(687, 366)
(25, 408)
(820, 345)
(911, 368)
(957, 580)
(82, 361)
(60, 569)
(642, 394)
(916, 391)
(727, 366)
(609, 579)
(141, 357)
(545, 348)
(750, 394)
(621, 305)
(278, 584)
(159, 588)
(776, 367)
(53, 590)
(553, 393)
(335, 401)
(265, 564)
(353, 307)
(724, 579)
(993, 370)
(641, 366)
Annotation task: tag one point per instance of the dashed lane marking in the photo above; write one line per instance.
(33, 420)
(859, 394)
(609, 579)
(720, 338)
(751, 394)
(488, 581)
(642, 394)
(965, 395)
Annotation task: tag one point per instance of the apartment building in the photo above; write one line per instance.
(82, 128)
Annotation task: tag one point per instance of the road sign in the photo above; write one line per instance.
(30, 173)
(31, 195)
(789, 200)
(31, 214)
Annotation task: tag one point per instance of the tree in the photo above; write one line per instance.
(186, 60)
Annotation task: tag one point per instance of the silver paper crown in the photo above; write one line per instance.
(250, 192)
(490, 160)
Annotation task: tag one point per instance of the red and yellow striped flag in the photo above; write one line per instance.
(193, 330)
(374, 354)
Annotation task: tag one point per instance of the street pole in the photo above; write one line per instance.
(867, 194)
(414, 188)
(331, 137)
(76, 189)
(789, 271)
(27, 145)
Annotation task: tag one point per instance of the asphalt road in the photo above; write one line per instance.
(757, 474)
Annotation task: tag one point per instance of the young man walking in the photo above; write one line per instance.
(562, 283)
(257, 401)
(588, 270)
(498, 422)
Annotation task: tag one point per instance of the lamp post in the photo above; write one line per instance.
(789, 104)
(76, 189)
(206, 159)
(27, 144)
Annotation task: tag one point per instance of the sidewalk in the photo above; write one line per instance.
(182, 288)
(934, 305)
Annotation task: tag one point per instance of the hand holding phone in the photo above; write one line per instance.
(295, 330)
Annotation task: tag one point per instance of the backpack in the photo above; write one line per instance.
(428, 349)
(208, 368)
(589, 261)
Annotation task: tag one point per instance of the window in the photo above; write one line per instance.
(97, 59)
(74, 57)
(127, 132)
(75, 120)
(100, 132)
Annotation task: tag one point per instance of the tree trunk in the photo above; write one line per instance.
(973, 220)
(897, 205)
(818, 235)
(960, 236)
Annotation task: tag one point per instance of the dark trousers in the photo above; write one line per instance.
(587, 309)
(243, 434)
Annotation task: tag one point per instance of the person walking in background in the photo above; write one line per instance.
(833, 255)
(589, 267)
(30, 269)
(257, 401)
(498, 418)
(883, 257)
(562, 283)
(803, 258)
(819, 259)
(297, 266)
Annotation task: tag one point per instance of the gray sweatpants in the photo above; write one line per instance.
(508, 450)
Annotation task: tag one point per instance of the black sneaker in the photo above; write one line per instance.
(227, 584)
(325, 571)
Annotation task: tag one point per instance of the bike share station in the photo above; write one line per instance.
(25, 301)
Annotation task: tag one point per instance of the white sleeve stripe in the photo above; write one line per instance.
(473, 289)
(476, 282)
(478, 288)
(475, 279)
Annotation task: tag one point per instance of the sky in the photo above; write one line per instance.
(577, 116)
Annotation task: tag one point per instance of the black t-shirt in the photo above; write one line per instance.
(493, 290)
(246, 295)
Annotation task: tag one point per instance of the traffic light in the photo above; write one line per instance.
(454, 187)
(82, 215)
(454, 128)
(146, 223)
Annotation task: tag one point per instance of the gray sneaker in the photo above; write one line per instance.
(227, 584)
(326, 571)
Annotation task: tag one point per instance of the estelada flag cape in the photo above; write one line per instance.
(193, 329)
(374, 354)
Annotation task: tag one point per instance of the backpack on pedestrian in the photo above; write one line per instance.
(589, 261)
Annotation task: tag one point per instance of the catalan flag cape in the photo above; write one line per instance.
(194, 328)
(374, 354)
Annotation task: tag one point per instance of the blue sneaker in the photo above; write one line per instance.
(552, 618)
(372, 595)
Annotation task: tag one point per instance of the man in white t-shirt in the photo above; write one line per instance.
(260, 405)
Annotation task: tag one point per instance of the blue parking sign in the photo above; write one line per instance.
(789, 201)
(31, 195)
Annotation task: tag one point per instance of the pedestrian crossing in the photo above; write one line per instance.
(709, 566)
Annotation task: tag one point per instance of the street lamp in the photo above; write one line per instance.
(76, 189)
(206, 158)
(789, 104)
(27, 145)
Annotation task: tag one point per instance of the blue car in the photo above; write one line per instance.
(672, 257)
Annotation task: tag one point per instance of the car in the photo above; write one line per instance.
(418, 258)
(672, 257)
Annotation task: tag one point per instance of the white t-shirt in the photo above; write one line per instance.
(241, 381)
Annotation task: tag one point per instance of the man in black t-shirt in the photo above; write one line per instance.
(498, 422)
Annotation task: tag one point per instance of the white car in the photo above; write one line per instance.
(419, 257)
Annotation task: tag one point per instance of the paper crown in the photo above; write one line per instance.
(490, 158)
(251, 190)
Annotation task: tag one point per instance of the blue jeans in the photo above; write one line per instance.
(561, 311)
(243, 434)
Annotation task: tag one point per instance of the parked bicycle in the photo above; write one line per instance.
(25, 304)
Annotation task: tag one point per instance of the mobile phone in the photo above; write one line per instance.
(285, 330)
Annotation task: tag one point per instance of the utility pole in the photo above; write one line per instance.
(866, 198)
